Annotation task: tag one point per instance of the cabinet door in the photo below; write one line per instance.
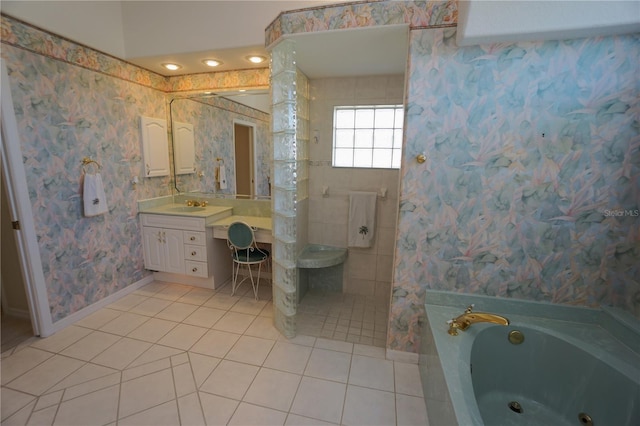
(174, 251)
(184, 147)
(153, 248)
(155, 146)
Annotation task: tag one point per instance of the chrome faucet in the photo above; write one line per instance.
(464, 321)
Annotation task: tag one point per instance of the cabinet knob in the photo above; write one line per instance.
(193, 253)
(192, 238)
(194, 270)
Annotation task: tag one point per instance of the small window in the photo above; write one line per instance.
(367, 136)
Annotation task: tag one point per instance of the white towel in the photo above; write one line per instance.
(95, 201)
(362, 218)
(222, 177)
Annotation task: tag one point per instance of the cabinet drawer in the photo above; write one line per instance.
(197, 238)
(195, 253)
(196, 269)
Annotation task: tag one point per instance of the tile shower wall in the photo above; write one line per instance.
(368, 271)
(531, 186)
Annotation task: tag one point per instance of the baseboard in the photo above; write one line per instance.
(401, 356)
(84, 312)
(16, 313)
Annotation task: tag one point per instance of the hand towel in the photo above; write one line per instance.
(222, 177)
(95, 201)
(362, 217)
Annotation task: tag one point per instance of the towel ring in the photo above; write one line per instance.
(86, 161)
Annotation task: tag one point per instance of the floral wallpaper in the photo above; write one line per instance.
(213, 131)
(531, 187)
(363, 14)
(65, 113)
(73, 102)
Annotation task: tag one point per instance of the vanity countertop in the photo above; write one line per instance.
(259, 222)
(175, 209)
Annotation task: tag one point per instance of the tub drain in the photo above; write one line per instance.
(515, 407)
(585, 419)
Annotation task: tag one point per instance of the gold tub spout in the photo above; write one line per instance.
(469, 317)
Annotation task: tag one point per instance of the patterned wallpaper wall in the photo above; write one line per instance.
(73, 102)
(65, 113)
(532, 185)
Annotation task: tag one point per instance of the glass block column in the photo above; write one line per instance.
(284, 201)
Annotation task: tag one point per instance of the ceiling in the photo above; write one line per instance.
(149, 33)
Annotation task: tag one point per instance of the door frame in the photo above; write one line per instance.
(252, 155)
(20, 209)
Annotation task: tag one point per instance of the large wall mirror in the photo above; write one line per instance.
(230, 152)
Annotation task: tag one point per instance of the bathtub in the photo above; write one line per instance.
(575, 366)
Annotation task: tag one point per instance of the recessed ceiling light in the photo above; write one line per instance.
(256, 59)
(212, 62)
(171, 67)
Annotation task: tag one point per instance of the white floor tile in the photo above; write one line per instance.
(39, 379)
(84, 374)
(183, 336)
(273, 389)
(190, 410)
(372, 373)
(98, 318)
(250, 350)
(407, 377)
(222, 301)
(202, 366)
(411, 410)
(296, 420)
(288, 357)
(173, 292)
(215, 343)
(334, 345)
(152, 288)
(204, 317)
(91, 386)
(319, 399)
(368, 350)
(176, 311)
(144, 369)
(128, 302)
(124, 323)
(234, 322)
(150, 307)
(152, 330)
(197, 296)
(252, 415)
(329, 365)
(368, 407)
(96, 408)
(90, 345)
(21, 416)
(163, 414)
(13, 401)
(183, 380)
(61, 340)
(17, 364)
(249, 305)
(43, 417)
(217, 410)
(263, 327)
(122, 353)
(230, 379)
(145, 392)
(155, 353)
(48, 400)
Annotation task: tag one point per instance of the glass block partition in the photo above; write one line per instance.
(284, 202)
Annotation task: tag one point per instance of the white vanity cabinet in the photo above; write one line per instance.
(181, 249)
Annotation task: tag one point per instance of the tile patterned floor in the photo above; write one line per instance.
(170, 354)
(346, 317)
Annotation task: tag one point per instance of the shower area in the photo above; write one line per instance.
(346, 299)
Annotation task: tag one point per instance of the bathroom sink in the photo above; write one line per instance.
(187, 209)
(321, 256)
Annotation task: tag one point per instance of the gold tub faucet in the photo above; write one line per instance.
(464, 321)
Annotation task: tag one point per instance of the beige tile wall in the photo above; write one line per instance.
(367, 271)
